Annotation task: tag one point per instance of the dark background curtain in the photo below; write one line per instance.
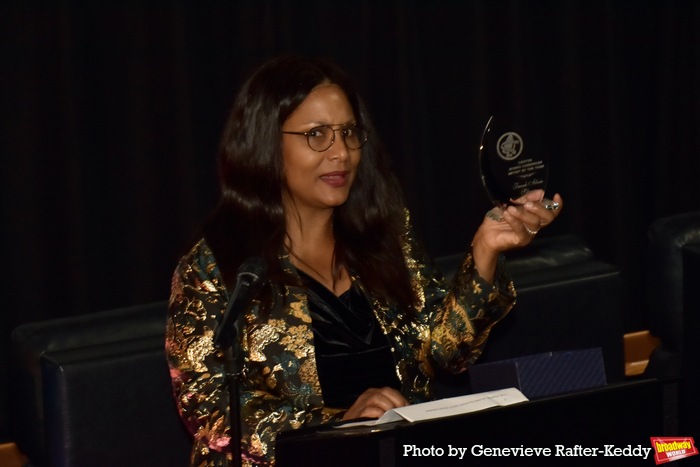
(111, 114)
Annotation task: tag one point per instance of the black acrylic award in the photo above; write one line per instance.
(512, 162)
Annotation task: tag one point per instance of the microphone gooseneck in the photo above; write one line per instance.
(249, 281)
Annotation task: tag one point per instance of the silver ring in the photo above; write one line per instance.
(495, 214)
(531, 232)
(550, 204)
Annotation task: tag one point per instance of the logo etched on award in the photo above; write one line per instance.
(511, 162)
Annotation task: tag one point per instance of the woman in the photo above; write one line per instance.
(352, 320)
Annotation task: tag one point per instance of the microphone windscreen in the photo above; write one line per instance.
(254, 265)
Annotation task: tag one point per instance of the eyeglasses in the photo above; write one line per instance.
(321, 138)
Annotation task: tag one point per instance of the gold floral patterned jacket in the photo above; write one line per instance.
(280, 388)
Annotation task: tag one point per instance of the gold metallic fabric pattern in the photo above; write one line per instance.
(280, 388)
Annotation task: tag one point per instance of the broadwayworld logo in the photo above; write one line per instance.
(672, 449)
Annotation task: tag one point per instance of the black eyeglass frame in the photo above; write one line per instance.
(341, 129)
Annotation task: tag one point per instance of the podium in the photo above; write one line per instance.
(621, 415)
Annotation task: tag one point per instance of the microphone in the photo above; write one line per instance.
(249, 280)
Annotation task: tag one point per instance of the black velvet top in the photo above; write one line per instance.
(352, 352)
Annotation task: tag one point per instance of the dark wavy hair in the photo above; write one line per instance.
(250, 219)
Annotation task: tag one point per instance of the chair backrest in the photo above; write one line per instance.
(664, 283)
(95, 390)
(567, 300)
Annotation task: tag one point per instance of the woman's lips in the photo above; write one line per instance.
(335, 179)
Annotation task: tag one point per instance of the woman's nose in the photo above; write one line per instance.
(338, 150)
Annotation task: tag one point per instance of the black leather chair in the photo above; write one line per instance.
(567, 299)
(673, 273)
(94, 390)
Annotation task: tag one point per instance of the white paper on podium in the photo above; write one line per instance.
(446, 407)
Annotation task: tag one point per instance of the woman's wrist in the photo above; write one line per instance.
(485, 259)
